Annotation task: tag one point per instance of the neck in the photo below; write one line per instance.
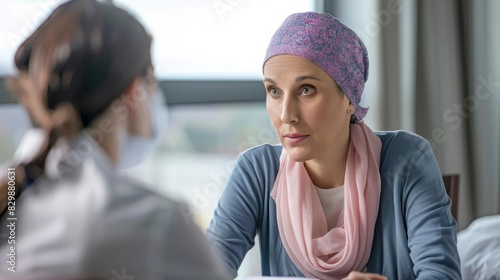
(328, 170)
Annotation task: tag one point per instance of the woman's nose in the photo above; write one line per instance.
(289, 110)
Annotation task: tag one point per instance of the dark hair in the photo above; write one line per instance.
(76, 63)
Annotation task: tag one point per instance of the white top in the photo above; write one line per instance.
(84, 219)
(332, 201)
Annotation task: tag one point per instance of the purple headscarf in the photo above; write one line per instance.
(329, 44)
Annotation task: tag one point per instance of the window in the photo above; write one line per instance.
(195, 157)
(14, 123)
(18, 20)
(215, 39)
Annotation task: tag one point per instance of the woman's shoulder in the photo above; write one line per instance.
(400, 138)
(401, 142)
(268, 153)
(403, 151)
(259, 164)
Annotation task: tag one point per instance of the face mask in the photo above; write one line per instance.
(135, 149)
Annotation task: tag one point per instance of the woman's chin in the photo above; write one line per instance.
(298, 154)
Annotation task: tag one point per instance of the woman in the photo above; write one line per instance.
(86, 79)
(335, 199)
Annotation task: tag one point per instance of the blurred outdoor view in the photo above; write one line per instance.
(202, 142)
(193, 159)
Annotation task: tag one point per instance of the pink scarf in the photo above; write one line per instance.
(316, 251)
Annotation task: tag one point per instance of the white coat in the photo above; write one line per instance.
(84, 219)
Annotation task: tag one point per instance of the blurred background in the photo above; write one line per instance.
(434, 70)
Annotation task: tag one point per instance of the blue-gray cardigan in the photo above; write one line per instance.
(415, 234)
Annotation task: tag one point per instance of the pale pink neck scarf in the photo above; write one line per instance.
(316, 251)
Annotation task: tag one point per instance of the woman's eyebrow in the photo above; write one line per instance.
(269, 80)
(301, 78)
(298, 79)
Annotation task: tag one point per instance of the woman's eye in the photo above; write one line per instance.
(307, 90)
(273, 91)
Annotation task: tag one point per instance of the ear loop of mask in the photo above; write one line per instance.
(135, 149)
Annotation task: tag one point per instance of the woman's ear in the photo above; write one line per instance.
(132, 95)
(137, 100)
(350, 112)
(350, 107)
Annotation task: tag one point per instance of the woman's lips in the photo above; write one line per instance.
(295, 138)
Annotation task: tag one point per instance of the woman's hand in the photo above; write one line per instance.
(364, 276)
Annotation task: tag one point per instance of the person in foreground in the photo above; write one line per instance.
(86, 78)
(335, 200)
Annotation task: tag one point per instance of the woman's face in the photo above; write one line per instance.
(308, 111)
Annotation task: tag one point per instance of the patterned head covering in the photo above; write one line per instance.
(329, 44)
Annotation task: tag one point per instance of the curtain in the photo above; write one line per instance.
(441, 86)
(484, 99)
(435, 70)
(441, 79)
